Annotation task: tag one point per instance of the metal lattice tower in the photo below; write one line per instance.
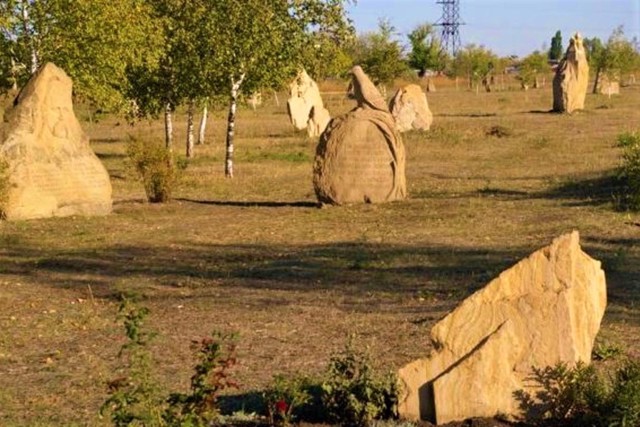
(450, 21)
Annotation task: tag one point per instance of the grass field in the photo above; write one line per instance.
(255, 255)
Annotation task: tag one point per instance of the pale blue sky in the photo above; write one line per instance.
(507, 26)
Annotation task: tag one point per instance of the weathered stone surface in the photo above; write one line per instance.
(304, 94)
(544, 310)
(571, 79)
(319, 118)
(360, 157)
(410, 109)
(52, 168)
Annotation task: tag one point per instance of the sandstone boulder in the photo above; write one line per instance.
(571, 78)
(52, 169)
(319, 118)
(304, 94)
(410, 109)
(606, 86)
(544, 310)
(360, 157)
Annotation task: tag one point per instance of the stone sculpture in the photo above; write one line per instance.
(360, 157)
(410, 109)
(571, 78)
(52, 169)
(544, 310)
(304, 94)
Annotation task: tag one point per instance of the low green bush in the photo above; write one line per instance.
(629, 172)
(284, 397)
(353, 395)
(156, 167)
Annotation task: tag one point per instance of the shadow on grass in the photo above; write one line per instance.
(351, 269)
(253, 204)
(575, 191)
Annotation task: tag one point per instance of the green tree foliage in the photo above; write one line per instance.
(380, 56)
(594, 49)
(94, 41)
(475, 63)
(426, 50)
(532, 66)
(556, 52)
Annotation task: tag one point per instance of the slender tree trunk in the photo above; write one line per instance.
(595, 83)
(28, 33)
(231, 124)
(168, 126)
(203, 124)
(190, 137)
(275, 95)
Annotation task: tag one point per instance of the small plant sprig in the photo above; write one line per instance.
(133, 398)
(284, 397)
(216, 356)
(5, 185)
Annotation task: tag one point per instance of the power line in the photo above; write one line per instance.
(450, 23)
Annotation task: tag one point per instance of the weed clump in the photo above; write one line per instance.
(629, 172)
(499, 131)
(4, 186)
(155, 166)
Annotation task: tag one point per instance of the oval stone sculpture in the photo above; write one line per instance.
(360, 157)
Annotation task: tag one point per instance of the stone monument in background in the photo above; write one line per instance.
(52, 169)
(304, 95)
(572, 78)
(360, 157)
(410, 109)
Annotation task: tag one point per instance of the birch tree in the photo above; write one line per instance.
(260, 44)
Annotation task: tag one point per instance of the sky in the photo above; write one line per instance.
(508, 27)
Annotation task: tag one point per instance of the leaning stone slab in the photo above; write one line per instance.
(52, 169)
(544, 310)
(571, 79)
(360, 157)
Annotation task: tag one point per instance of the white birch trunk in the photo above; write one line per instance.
(190, 137)
(30, 41)
(168, 127)
(231, 125)
(275, 96)
(203, 124)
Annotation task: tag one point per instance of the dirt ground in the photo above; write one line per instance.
(256, 256)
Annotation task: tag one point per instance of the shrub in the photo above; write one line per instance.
(581, 396)
(4, 186)
(155, 166)
(284, 397)
(629, 172)
(353, 395)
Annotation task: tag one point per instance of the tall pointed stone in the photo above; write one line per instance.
(572, 78)
(544, 310)
(52, 169)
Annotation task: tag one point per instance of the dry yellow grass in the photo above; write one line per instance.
(254, 255)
